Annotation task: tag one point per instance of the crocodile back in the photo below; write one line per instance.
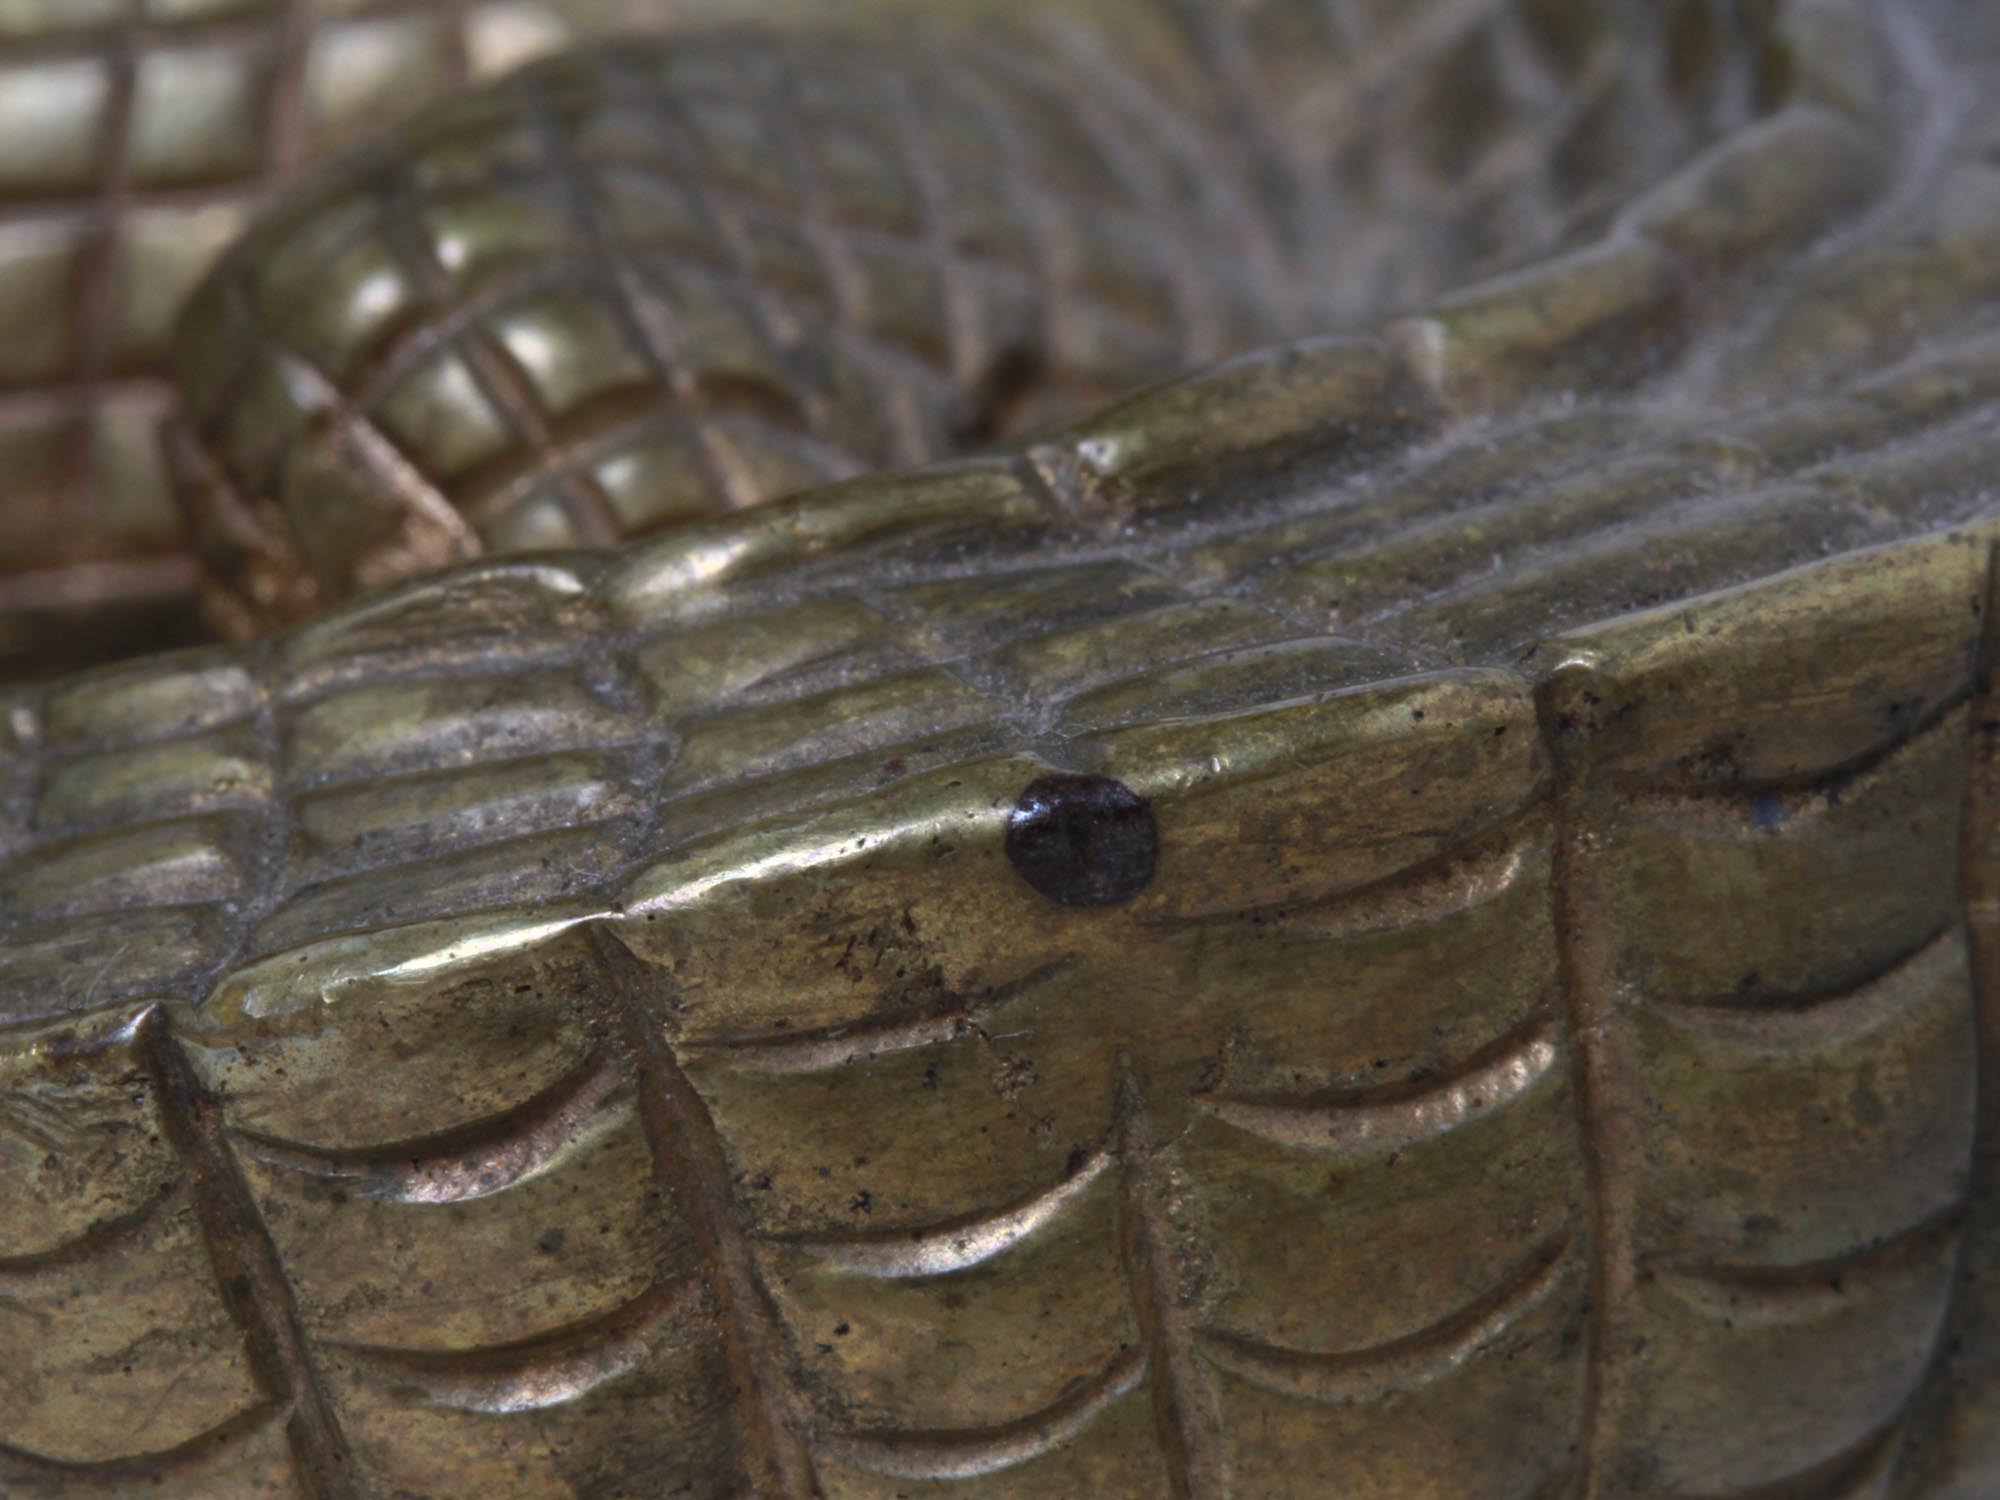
(1416, 907)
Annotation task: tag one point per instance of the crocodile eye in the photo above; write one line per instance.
(1083, 840)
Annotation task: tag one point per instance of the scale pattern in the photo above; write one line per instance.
(642, 285)
(124, 191)
(571, 1027)
(140, 136)
(639, 285)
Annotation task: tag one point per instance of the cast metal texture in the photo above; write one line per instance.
(1410, 914)
(136, 138)
(643, 285)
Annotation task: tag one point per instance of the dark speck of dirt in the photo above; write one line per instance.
(1083, 840)
(1769, 809)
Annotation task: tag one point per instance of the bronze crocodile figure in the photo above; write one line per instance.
(1410, 912)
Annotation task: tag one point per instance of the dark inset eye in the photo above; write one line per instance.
(1083, 840)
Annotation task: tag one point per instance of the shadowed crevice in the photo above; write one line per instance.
(693, 1167)
(249, 1273)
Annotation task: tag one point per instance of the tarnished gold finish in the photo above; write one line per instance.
(896, 252)
(637, 286)
(642, 285)
(1411, 914)
(136, 137)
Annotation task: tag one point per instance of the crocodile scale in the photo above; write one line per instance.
(1411, 911)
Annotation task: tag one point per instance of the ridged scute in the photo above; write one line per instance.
(569, 1025)
(645, 283)
(140, 140)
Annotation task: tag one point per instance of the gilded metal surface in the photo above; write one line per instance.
(641, 285)
(778, 263)
(136, 137)
(1411, 914)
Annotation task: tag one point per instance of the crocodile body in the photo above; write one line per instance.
(1413, 913)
